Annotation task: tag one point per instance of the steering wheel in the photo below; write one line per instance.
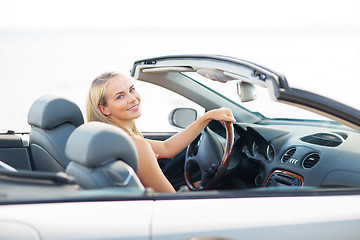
(206, 153)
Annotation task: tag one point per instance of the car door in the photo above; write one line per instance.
(77, 220)
(274, 216)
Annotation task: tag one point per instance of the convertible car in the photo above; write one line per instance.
(295, 176)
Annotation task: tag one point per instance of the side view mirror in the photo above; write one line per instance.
(246, 91)
(182, 117)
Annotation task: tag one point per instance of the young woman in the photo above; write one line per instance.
(113, 99)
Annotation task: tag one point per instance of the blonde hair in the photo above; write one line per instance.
(97, 96)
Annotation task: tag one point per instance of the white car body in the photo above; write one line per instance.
(281, 218)
(260, 195)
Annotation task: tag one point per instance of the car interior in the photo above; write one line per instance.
(256, 154)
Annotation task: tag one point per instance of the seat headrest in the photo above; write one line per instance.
(95, 143)
(49, 111)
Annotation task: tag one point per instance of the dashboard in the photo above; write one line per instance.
(289, 153)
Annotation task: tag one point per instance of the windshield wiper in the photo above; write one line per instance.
(259, 115)
(306, 120)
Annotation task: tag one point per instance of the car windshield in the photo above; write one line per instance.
(263, 105)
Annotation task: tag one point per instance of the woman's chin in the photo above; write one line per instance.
(137, 114)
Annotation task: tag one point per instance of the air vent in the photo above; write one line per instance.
(342, 134)
(289, 153)
(323, 139)
(310, 160)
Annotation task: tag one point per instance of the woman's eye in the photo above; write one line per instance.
(120, 96)
(132, 89)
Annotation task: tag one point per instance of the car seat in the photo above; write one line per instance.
(52, 120)
(102, 155)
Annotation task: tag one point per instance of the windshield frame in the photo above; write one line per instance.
(223, 96)
(193, 76)
(276, 84)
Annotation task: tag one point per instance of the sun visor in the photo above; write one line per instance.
(215, 75)
(167, 69)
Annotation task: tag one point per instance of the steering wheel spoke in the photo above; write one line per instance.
(204, 155)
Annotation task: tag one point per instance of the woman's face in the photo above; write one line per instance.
(123, 101)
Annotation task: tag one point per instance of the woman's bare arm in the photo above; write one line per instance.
(174, 145)
(149, 172)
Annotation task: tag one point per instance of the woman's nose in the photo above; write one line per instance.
(132, 98)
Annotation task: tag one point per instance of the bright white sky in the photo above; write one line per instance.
(47, 14)
(315, 43)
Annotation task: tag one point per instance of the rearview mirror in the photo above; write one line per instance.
(182, 117)
(246, 91)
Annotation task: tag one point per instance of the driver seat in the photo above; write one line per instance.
(52, 120)
(102, 155)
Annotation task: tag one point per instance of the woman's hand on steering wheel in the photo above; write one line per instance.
(221, 114)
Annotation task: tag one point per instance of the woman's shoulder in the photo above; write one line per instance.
(138, 139)
(141, 143)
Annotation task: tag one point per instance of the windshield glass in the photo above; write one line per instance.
(263, 104)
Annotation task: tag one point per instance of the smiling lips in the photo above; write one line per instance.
(134, 108)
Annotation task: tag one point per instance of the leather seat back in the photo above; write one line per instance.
(52, 120)
(102, 155)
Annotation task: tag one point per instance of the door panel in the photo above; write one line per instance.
(158, 135)
(258, 218)
(83, 220)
